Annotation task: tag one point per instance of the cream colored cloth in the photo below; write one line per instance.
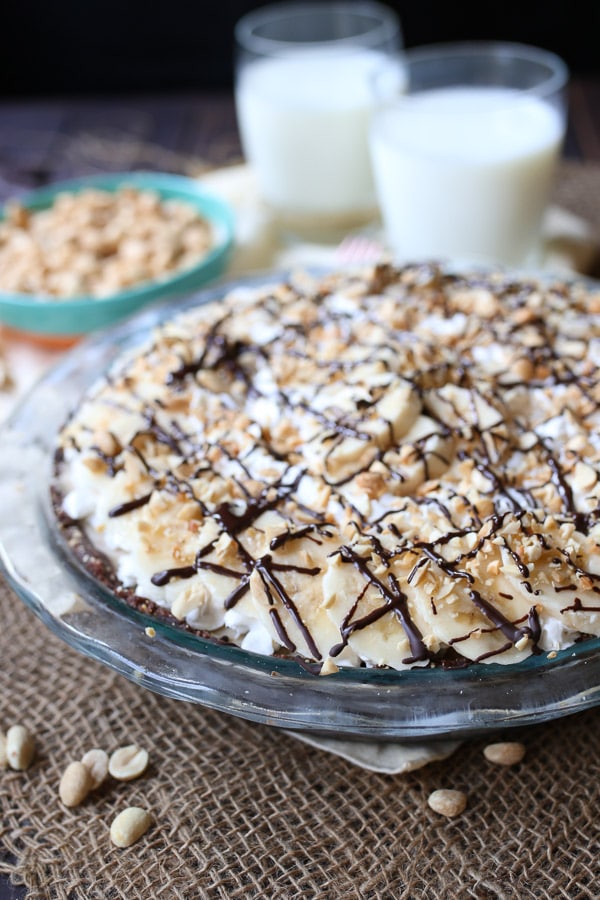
(569, 248)
(388, 758)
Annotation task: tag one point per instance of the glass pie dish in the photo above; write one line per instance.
(360, 702)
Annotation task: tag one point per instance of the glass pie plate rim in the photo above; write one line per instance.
(360, 703)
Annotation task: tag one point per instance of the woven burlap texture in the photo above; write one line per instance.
(242, 810)
(577, 189)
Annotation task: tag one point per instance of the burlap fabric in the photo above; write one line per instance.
(577, 190)
(246, 811)
(242, 810)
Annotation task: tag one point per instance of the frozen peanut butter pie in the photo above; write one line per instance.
(391, 467)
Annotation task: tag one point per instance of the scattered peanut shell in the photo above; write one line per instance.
(447, 802)
(3, 756)
(75, 784)
(129, 826)
(505, 753)
(96, 762)
(128, 762)
(20, 747)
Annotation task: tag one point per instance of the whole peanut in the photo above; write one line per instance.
(129, 826)
(20, 747)
(505, 753)
(447, 802)
(75, 784)
(96, 762)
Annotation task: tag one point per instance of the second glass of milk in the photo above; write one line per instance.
(303, 99)
(465, 155)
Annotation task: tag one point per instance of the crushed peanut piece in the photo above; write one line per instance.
(99, 242)
(6, 379)
(329, 667)
(372, 483)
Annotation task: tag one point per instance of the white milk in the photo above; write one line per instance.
(465, 173)
(303, 122)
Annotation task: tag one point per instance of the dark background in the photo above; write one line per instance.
(91, 46)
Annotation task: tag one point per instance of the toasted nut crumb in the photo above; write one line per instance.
(3, 756)
(129, 826)
(505, 753)
(329, 667)
(96, 762)
(6, 380)
(191, 598)
(20, 747)
(447, 802)
(524, 315)
(585, 582)
(523, 369)
(552, 655)
(128, 762)
(97, 242)
(75, 784)
(150, 631)
(372, 483)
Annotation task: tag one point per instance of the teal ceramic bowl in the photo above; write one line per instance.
(53, 317)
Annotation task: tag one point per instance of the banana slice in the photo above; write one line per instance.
(348, 442)
(285, 596)
(571, 598)
(459, 407)
(463, 616)
(426, 452)
(361, 621)
(396, 613)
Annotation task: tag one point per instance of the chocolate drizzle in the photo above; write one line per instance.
(287, 536)
(523, 480)
(580, 520)
(395, 600)
(129, 505)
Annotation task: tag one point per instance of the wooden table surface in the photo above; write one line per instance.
(45, 140)
(49, 139)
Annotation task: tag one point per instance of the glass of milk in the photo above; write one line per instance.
(465, 153)
(303, 98)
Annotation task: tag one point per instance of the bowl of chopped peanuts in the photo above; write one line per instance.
(79, 255)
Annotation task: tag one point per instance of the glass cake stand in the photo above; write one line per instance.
(361, 703)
